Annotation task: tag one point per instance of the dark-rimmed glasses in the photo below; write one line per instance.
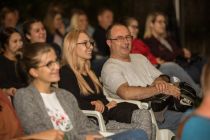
(123, 38)
(87, 44)
(50, 65)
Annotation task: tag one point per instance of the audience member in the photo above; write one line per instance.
(42, 107)
(55, 27)
(165, 48)
(11, 42)
(34, 31)
(105, 18)
(133, 77)
(78, 78)
(169, 68)
(79, 21)
(195, 125)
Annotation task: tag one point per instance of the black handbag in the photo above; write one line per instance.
(187, 99)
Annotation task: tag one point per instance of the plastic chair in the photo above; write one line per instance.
(161, 134)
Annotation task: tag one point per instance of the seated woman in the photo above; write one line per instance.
(78, 78)
(197, 123)
(10, 126)
(165, 48)
(34, 31)
(11, 42)
(168, 68)
(41, 107)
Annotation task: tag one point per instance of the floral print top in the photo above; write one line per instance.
(59, 118)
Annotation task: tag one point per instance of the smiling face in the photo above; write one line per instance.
(119, 43)
(47, 70)
(14, 44)
(84, 47)
(37, 33)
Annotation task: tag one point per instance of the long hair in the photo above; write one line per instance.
(70, 58)
(151, 19)
(74, 22)
(5, 35)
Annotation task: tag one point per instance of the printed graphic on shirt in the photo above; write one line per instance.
(60, 120)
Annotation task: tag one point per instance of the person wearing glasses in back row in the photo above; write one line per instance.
(78, 78)
(133, 77)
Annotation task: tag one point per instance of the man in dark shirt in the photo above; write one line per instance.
(105, 19)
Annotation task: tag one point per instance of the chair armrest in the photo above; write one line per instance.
(140, 104)
(98, 116)
(106, 134)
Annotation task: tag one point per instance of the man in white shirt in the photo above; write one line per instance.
(133, 77)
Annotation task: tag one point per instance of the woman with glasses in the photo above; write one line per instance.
(42, 107)
(169, 68)
(78, 78)
(165, 48)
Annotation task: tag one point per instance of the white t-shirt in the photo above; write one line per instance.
(58, 116)
(138, 72)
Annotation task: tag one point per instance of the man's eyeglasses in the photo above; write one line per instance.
(50, 65)
(87, 44)
(128, 38)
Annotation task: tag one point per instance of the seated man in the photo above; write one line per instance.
(133, 77)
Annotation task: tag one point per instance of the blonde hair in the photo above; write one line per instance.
(74, 22)
(151, 19)
(70, 58)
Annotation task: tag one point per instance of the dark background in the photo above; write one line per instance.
(193, 31)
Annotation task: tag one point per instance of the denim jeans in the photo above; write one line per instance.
(172, 120)
(133, 134)
(173, 69)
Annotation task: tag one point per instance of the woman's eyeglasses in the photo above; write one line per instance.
(87, 44)
(50, 65)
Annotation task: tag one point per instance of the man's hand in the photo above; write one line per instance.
(172, 90)
(160, 85)
(111, 104)
(99, 106)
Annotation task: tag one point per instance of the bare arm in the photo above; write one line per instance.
(45, 135)
(136, 93)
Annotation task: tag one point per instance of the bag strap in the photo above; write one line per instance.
(181, 125)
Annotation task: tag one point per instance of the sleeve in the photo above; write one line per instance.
(68, 82)
(28, 112)
(193, 127)
(153, 71)
(112, 77)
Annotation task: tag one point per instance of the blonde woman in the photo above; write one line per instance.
(78, 78)
(165, 48)
(79, 21)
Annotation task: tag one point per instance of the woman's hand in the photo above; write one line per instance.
(46, 135)
(9, 91)
(187, 53)
(99, 106)
(93, 137)
(111, 104)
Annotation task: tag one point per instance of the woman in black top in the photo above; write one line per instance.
(78, 78)
(11, 42)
